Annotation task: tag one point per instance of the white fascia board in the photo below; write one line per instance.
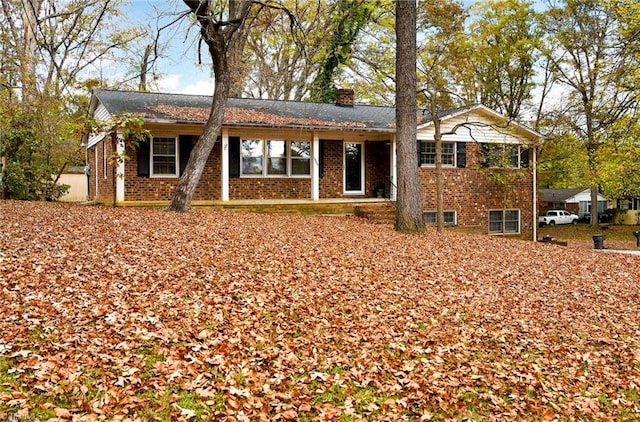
(583, 196)
(538, 137)
(94, 139)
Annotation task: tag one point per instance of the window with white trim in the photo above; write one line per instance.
(504, 221)
(428, 153)
(431, 217)
(275, 158)
(164, 156)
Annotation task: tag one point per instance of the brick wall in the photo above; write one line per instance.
(331, 181)
(161, 188)
(378, 166)
(473, 191)
(470, 191)
(105, 191)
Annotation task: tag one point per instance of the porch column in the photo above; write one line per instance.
(224, 166)
(119, 170)
(394, 169)
(315, 167)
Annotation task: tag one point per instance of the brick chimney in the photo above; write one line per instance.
(344, 97)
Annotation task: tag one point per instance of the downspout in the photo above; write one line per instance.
(535, 193)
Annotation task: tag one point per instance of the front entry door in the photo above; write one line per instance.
(353, 167)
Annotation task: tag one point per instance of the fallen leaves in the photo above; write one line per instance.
(139, 314)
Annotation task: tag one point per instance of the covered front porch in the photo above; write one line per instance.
(338, 166)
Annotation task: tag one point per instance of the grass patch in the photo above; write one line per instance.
(334, 395)
(586, 232)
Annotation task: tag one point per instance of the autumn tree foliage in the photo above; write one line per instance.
(595, 61)
(48, 50)
(349, 17)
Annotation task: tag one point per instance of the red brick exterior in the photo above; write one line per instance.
(331, 181)
(105, 187)
(471, 191)
(161, 188)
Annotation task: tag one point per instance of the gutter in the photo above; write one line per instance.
(535, 193)
(273, 126)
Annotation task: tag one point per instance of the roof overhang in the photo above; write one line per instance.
(94, 139)
(270, 126)
(535, 136)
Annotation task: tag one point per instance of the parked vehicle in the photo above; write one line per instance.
(557, 217)
(603, 217)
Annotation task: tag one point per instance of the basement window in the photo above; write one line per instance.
(431, 217)
(504, 221)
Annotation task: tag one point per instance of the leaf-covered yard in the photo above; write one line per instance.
(141, 314)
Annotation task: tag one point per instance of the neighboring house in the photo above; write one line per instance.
(629, 211)
(76, 178)
(577, 201)
(294, 152)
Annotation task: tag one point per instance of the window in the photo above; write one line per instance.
(431, 217)
(275, 157)
(500, 155)
(504, 221)
(300, 158)
(164, 154)
(252, 156)
(428, 153)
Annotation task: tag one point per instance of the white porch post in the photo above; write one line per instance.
(224, 166)
(394, 169)
(315, 168)
(119, 171)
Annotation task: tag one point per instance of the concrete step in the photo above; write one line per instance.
(377, 213)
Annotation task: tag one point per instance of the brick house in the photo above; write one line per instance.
(295, 152)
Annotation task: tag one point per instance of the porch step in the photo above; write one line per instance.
(377, 213)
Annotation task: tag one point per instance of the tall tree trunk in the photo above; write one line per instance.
(409, 216)
(31, 9)
(144, 67)
(186, 187)
(223, 40)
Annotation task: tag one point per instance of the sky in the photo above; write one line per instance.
(178, 68)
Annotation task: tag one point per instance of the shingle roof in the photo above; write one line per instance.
(158, 107)
(559, 195)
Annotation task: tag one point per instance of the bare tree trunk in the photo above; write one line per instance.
(186, 187)
(409, 216)
(31, 9)
(223, 40)
(594, 206)
(144, 67)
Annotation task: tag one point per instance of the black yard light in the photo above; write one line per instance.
(637, 235)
